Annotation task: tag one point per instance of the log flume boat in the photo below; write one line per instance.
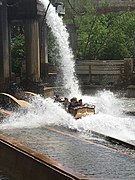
(75, 108)
(82, 111)
(9, 104)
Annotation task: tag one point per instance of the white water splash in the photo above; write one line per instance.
(46, 112)
(66, 55)
(109, 119)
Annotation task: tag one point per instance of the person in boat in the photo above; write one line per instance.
(57, 98)
(73, 103)
(80, 103)
(66, 104)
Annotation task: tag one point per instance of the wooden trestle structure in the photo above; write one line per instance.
(28, 13)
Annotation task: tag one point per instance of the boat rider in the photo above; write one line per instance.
(57, 98)
(80, 103)
(66, 103)
(73, 103)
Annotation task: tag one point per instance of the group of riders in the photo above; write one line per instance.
(69, 106)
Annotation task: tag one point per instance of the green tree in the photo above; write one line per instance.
(17, 49)
(109, 36)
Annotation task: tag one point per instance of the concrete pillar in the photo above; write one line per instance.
(4, 42)
(32, 50)
(43, 50)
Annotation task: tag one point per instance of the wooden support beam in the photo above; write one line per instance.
(32, 50)
(4, 42)
(43, 50)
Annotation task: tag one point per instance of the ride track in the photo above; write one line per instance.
(58, 143)
(46, 167)
(107, 138)
(75, 151)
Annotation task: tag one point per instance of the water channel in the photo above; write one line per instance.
(48, 125)
(32, 127)
(109, 118)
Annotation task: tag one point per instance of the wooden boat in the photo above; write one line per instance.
(9, 103)
(82, 111)
(78, 111)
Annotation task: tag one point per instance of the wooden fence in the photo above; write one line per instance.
(103, 71)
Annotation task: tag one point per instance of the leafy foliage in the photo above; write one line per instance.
(109, 36)
(17, 49)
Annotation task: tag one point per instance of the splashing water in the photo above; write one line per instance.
(111, 122)
(108, 120)
(66, 55)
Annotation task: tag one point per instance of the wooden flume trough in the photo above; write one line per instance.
(25, 164)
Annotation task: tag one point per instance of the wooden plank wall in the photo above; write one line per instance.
(102, 71)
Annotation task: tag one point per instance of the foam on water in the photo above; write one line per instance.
(108, 120)
(45, 112)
